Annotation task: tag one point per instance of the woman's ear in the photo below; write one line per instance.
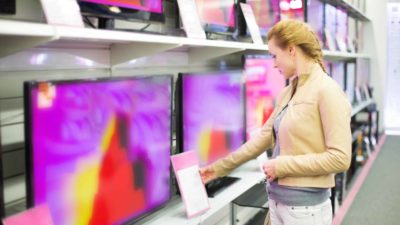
(292, 50)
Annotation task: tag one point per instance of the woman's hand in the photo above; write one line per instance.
(269, 170)
(207, 174)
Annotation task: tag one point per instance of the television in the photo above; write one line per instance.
(292, 9)
(338, 71)
(315, 17)
(263, 85)
(211, 117)
(98, 151)
(330, 27)
(108, 10)
(342, 29)
(218, 16)
(266, 13)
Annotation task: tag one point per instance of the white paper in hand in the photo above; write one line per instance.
(62, 12)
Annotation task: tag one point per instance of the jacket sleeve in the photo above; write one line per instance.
(335, 114)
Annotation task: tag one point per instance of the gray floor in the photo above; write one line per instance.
(378, 201)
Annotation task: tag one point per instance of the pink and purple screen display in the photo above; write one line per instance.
(145, 5)
(217, 12)
(213, 114)
(266, 13)
(292, 9)
(315, 17)
(263, 85)
(101, 149)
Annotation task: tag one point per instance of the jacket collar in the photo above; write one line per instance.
(302, 78)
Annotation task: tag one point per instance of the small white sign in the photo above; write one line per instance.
(190, 19)
(251, 23)
(62, 12)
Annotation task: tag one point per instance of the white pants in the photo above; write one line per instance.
(320, 214)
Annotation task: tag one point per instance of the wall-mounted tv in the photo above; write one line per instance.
(99, 150)
(263, 85)
(292, 9)
(147, 10)
(266, 12)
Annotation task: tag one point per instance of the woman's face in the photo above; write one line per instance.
(283, 58)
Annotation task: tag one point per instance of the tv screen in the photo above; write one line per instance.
(218, 16)
(315, 17)
(99, 150)
(263, 85)
(292, 9)
(149, 10)
(338, 70)
(266, 12)
(350, 81)
(211, 114)
(330, 24)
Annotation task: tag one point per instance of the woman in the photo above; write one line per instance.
(309, 132)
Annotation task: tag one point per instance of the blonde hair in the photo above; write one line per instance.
(295, 32)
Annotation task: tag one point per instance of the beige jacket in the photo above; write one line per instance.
(315, 135)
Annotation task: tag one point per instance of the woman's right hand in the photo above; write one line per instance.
(207, 174)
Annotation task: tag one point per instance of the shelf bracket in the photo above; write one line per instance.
(11, 44)
(197, 54)
(121, 53)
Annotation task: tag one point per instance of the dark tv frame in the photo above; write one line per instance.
(106, 16)
(29, 145)
(179, 105)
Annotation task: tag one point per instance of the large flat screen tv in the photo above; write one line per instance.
(98, 150)
(212, 112)
(147, 10)
(211, 117)
(263, 85)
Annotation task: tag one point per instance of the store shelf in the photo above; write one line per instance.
(337, 56)
(17, 36)
(359, 107)
(352, 11)
(123, 46)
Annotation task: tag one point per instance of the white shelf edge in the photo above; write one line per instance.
(344, 55)
(357, 108)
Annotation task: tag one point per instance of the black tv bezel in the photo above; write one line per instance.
(179, 105)
(242, 26)
(29, 165)
(101, 11)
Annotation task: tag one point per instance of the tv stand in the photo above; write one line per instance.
(218, 185)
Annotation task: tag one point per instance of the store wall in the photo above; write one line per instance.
(375, 35)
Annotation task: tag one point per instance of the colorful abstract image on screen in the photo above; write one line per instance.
(263, 85)
(217, 12)
(100, 149)
(292, 9)
(213, 114)
(266, 13)
(145, 5)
